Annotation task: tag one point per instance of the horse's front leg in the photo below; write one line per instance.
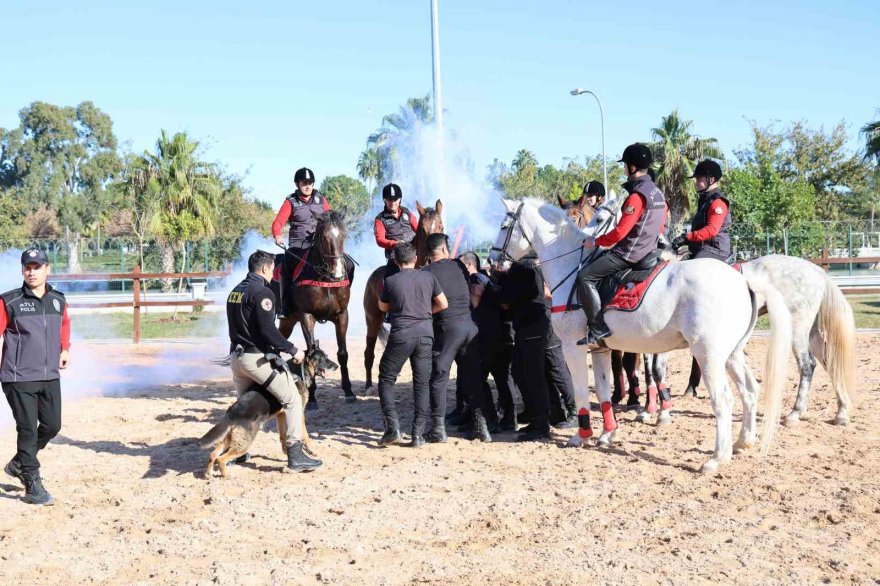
(308, 329)
(341, 323)
(576, 359)
(602, 371)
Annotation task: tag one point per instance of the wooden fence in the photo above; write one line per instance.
(136, 276)
(825, 261)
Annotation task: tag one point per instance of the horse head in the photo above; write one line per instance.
(578, 210)
(430, 222)
(330, 245)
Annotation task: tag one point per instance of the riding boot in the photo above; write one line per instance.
(437, 435)
(508, 422)
(392, 432)
(593, 310)
(491, 415)
(537, 430)
(481, 431)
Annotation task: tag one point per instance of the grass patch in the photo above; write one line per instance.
(153, 325)
(866, 311)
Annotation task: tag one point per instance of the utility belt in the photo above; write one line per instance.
(277, 363)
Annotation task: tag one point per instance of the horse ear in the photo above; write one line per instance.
(420, 209)
(439, 207)
(561, 201)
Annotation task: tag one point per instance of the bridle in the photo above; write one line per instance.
(324, 269)
(513, 220)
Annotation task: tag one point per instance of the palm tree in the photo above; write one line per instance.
(676, 153)
(871, 132)
(396, 134)
(368, 167)
(180, 193)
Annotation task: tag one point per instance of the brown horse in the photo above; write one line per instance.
(578, 210)
(325, 297)
(430, 222)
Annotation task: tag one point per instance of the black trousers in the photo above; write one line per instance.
(529, 372)
(607, 264)
(456, 340)
(559, 384)
(36, 407)
(496, 356)
(397, 351)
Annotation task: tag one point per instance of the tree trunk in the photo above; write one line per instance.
(73, 264)
(167, 265)
(180, 279)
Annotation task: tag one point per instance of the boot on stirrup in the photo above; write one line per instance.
(593, 310)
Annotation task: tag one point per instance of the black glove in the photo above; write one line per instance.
(679, 242)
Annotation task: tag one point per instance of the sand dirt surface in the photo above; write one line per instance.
(134, 507)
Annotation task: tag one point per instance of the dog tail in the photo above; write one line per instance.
(215, 434)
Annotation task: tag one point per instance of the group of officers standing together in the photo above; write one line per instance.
(494, 321)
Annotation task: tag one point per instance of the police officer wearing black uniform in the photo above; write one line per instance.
(409, 297)
(522, 290)
(455, 339)
(255, 345)
(36, 341)
(709, 236)
(496, 341)
(394, 224)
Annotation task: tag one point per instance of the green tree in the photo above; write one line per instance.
(676, 153)
(62, 158)
(368, 167)
(871, 134)
(349, 196)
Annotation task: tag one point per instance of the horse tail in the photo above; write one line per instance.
(838, 330)
(215, 434)
(775, 371)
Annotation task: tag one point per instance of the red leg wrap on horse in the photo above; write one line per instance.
(584, 428)
(609, 423)
(652, 399)
(665, 403)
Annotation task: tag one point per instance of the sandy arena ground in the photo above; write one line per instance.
(133, 505)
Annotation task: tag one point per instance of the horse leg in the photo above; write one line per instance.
(308, 329)
(806, 366)
(693, 379)
(374, 324)
(715, 377)
(341, 323)
(602, 372)
(576, 358)
(286, 324)
(634, 391)
(618, 377)
(651, 406)
(748, 390)
(658, 369)
(817, 349)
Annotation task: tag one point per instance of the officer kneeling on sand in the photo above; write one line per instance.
(256, 343)
(36, 339)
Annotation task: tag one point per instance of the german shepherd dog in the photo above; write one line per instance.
(233, 436)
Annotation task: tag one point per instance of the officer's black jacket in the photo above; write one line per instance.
(250, 310)
(522, 287)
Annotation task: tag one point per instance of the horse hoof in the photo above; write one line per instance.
(792, 419)
(642, 417)
(710, 467)
(312, 406)
(665, 418)
(605, 440)
(350, 399)
(576, 441)
(741, 446)
(841, 419)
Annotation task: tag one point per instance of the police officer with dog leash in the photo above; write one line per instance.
(36, 341)
(255, 345)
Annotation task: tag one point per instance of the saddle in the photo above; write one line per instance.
(611, 285)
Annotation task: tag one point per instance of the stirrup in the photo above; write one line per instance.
(594, 340)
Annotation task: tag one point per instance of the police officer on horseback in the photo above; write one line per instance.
(635, 237)
(394, 224)
(709, 236)
(301, 210)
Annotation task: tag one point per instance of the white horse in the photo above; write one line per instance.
(678, 311)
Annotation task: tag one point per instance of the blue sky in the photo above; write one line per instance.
(272, 86)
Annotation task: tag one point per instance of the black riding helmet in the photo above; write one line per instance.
(392, 191)
(304, 174)
(707, 168)
(594, 188)
(637, 155)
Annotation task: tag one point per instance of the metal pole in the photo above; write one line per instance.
(602, 122)
(435, 55)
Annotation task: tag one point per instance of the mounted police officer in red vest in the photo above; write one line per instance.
(301, 210)
(394, 224)
(709, 236)
(643, 219)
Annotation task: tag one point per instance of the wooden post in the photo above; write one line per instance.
(136, 281)
(825, 264)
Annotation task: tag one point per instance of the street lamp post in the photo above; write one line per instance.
(579, 91)
(435, 62)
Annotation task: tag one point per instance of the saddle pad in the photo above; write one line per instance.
(629, 297)
(738, 267)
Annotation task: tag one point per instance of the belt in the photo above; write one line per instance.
(239, 349)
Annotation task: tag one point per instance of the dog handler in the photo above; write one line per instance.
(255, 343)
(36, 341)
